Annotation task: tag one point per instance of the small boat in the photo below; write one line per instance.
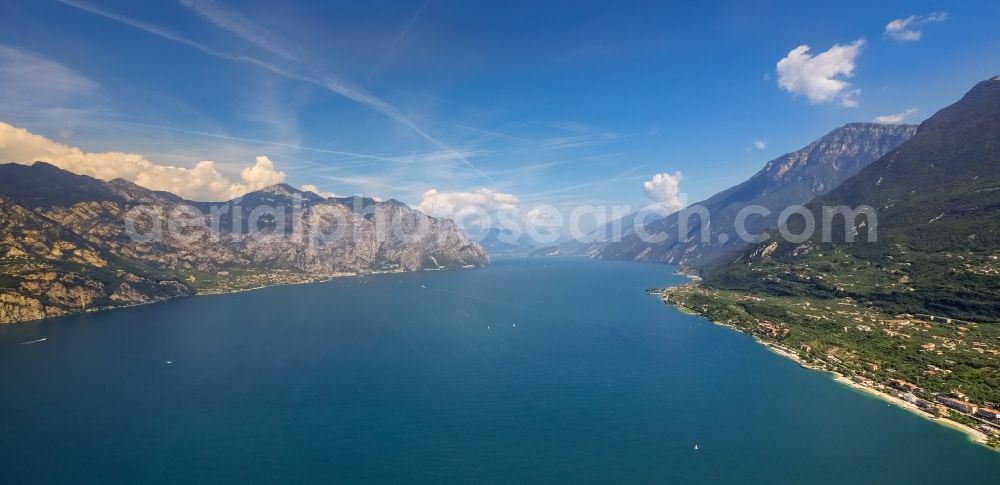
(696, 447)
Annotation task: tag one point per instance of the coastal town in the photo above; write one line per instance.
(234, 280)
(939, 367)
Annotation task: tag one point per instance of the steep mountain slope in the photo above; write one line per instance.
(346, 234)
(913, 313)
(791, 179)
(71, 249)
(42, 185)
(48, 270)
(937, 199)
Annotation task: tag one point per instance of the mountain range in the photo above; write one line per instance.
(903, 297)
(66, 246)
(791, 179)
(937, 201)
(504, 242)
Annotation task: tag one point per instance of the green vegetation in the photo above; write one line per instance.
(917, 310)
(937, 199)
(935, 355)
(957, 284)
(874, 348)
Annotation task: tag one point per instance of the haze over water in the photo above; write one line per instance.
(555, 370)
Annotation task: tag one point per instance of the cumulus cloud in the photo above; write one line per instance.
(202, 182)
(910, 29)
(262, 174)
(760, 145)
(458, 204)
(664, 190)
(314, 189)
(895, 119)
(821, 78)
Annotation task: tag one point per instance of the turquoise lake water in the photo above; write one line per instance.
(553, 370)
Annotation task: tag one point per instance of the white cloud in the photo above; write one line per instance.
(664, 190)
(910, 29)
(456, 204)
(895, 119)
(314, 189)
(202, 182)
(262, 174)
(820, 78)
(760, 145)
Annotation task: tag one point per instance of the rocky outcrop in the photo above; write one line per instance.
(410, 240)
(56, 292)
(19, 308)
(95, 244)
(282, 227)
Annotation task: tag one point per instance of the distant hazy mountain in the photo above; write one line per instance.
(793, 178)
(499, 242)
(938, 204)
(64, 246)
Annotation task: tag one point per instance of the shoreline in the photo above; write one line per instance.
(973, 435)
(324, 279)
(330, 277)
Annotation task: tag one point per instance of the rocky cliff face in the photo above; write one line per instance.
(49, 270)
(335, 236)
(66, 245)
(792, 179)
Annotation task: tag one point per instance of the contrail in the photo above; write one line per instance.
(240, 26)
(329, 83)
(258, 141)
(370, 158)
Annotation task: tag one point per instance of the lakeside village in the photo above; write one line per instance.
(241, 279)
(943, 367)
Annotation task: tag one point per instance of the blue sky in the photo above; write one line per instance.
(561, 103)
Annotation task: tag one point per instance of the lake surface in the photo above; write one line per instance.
(553, 370)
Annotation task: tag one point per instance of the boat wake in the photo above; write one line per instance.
(34, 341)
